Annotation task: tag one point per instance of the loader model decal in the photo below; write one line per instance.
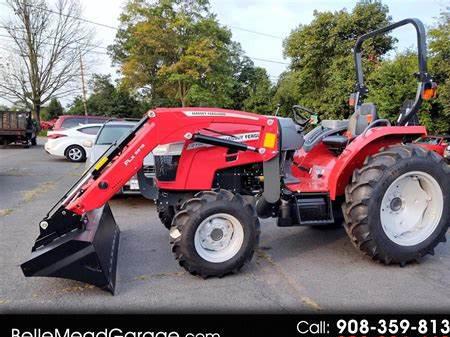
(128, 161)
(240, 137)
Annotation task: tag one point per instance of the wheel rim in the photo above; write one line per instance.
(75, 153)
(411, 208)
(219, 238)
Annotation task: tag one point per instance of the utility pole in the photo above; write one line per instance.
(83, 85)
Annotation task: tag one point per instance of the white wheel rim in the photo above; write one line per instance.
(219, 238)
(75, 154)
(411, 208)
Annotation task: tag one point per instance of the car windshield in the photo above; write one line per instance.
(111, 133)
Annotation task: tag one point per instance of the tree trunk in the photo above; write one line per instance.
(37, 111)
(181, 93)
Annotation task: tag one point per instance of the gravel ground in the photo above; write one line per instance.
(295, 269)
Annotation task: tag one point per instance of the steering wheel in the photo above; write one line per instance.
(302, 115)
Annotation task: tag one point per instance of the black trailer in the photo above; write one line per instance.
(17, 127)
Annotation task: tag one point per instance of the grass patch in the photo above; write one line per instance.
(41, 189)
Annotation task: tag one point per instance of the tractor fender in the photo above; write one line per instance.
(360, 148)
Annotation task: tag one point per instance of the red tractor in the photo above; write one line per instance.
(218, 171)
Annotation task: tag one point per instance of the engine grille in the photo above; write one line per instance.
(166, 167)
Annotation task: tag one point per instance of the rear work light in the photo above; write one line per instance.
(56, 135)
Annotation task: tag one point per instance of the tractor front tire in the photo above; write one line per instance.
(215, 233)
(397, 205)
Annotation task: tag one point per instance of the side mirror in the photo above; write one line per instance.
(88, 144)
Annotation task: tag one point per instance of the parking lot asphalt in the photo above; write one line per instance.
(294, 270)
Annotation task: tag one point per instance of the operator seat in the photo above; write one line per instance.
(358, 122)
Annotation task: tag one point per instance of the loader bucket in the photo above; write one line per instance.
(88, 255)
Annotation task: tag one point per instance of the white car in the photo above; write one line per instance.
(69, 143)
(110, 133)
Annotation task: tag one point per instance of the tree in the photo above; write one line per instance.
(391, 83)
(260, 91)
(54, 109)
(321, 74)
(47, 45)
(249, 81)
(439, 42)
(175, 52)
(108, 100)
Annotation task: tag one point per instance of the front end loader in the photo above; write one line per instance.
(218, 171)
(79, 238)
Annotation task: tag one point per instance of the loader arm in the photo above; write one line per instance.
(114, 169)
(78, 237)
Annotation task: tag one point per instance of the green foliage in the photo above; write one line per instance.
(259, 93)
(108, 100)
(391, 83)
(177, 51)
(439, 44)
(322, 72)
(53, 110)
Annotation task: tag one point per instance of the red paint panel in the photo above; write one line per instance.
(330, 173)
(196, 169)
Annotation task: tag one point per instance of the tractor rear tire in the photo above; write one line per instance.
(215, 233)
(397, 205)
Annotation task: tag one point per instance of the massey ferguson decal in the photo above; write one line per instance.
(217, 114)
(240, 137)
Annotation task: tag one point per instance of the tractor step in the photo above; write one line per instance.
(314, 209)
(306, 209)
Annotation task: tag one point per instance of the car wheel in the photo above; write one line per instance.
(75, 153)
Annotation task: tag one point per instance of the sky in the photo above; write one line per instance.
(274, 19)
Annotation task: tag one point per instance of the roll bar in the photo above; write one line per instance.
(423, 76)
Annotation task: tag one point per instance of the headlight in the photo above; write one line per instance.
(172, 149)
